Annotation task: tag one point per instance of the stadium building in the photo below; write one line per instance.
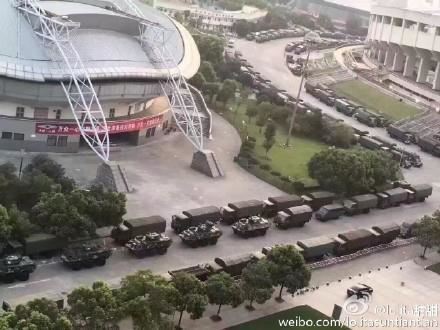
(404, 37)
(95, 73)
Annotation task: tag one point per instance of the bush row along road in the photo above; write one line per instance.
(165, 185)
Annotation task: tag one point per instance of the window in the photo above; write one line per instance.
(165, 125)
(19, 113)
(41, 113)
(111, 113)
(51, 141)
(129, 110)
(83, 116)
(58, 114)
(62, 141)
(150, 132)
(6, 135)
(18, 136)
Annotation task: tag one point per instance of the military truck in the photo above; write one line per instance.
(392, 197)
(418, 192)
(325, 97)
(86, 255)
(234, 265)
(386, 233)
(201, 235)
(296, 216)
(201, 271)
(318, 199)
(131, 228)
(238, 210)
(360, 204)
(330, 212)
(149, 244)
(316, 248)
(266, 250)
(401, 135)
(16, 267)
(310, 88)
(275, 204)
(195, 217)
(42, 244)
(344, 107)
(354, 240)
(364, 117)
(251, 226)
(430, 145)
(370, 143)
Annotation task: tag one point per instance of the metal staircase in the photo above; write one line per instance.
(54, 32)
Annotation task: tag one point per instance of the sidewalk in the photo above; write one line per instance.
(419, 288)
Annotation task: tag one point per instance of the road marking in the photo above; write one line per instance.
(27, 284)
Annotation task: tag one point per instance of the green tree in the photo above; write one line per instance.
(340, 135)
(94, 308)
(256, 283)
(221, 289)
(9, 184)
(189, 296)
(207, 70)
(428, 232)
(251, 112)
(148, 299)
(243, 28)
(5, 226)
(352, 171)
(270, 131)
(20, 224)
(227, 91)
(288, 269)
(211, 48)
(56, 215)
(211, 90)
(39, 314)
(198, 81)
(43, 164)
(268, 144)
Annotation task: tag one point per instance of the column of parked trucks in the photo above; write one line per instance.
(199, 227)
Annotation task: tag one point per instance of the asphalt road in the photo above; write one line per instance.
(165, 185)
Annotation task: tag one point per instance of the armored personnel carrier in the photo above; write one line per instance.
(86, 255)
(148, 244)
(201, 235)
(16, 267)
(252, 226)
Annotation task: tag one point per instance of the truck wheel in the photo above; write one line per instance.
(263, 232)
(88, 263)
(162, 251)
(22, 276)
(213, 241)
(204, 242)
(76, 266)
(100, 262)
(9, 278)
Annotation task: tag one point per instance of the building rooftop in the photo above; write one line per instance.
(106, 41)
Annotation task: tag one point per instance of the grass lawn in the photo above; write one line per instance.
(375, 100)
(290, 162)
(435, 268)
(298, 313)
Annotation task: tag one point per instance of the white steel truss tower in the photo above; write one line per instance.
(54, 32)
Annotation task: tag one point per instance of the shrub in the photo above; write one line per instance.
(265, 167)
(275, 173)
(251, 139)
(285, 178)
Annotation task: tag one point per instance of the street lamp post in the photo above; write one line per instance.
(238, 99)
(22, 153)
(308, 38)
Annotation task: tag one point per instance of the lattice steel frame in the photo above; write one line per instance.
(54, 32)
(153, 39)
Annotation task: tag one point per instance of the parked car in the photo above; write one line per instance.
(360, 290)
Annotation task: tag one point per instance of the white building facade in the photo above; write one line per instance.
(404, 36)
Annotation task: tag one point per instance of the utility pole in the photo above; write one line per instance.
(295, 109)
